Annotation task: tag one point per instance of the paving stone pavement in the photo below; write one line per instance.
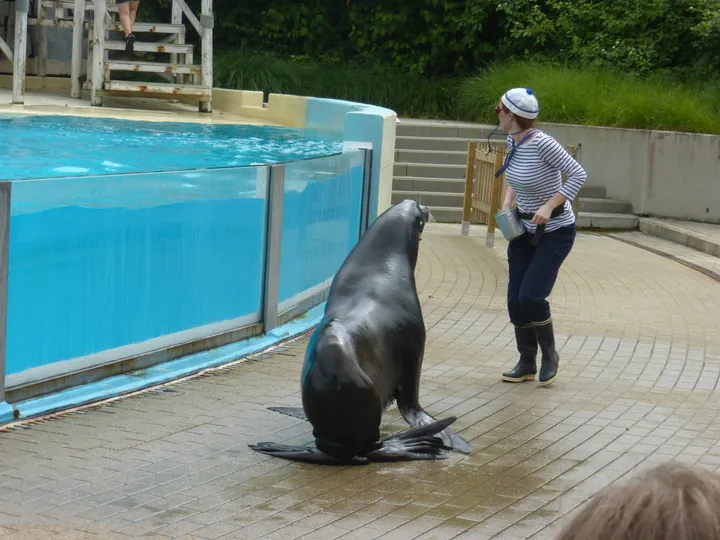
(639, 341)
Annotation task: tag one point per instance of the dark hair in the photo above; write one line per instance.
(524, 123)
(670, 502)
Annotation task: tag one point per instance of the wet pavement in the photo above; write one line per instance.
(639, 340)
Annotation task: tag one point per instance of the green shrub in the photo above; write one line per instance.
(566, 94)
(406, 94)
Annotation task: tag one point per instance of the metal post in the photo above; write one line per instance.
(366, 189)
(77, 42)
(20, 53)
(176, 18)
(98, 53)
(207, 22)
(273, 245)
(467, 197)
(5, 192)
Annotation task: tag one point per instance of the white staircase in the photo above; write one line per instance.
(107, 59)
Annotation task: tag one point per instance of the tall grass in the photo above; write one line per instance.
(566, 94)
(595, 97)
(406, 94)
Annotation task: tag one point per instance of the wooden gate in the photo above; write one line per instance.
(484, 193)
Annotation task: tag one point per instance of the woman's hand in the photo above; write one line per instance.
(542, 215)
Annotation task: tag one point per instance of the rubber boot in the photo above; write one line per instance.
(526, 368)
(550, 357)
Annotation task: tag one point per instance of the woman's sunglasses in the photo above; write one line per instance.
(498, 109)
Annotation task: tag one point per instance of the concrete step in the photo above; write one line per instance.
(443, 185)
(157, 88)
(152, 67)
(431, 128)
(446, 144)
(445, 214)
(604, 206)
(599, 220)
(428, 170)
(437, 157)
(698, 260)
(703, 237)
(592, 192)
(147, 46)
(430, 198)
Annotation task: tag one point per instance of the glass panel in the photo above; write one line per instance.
(321, 221)
(108, 261)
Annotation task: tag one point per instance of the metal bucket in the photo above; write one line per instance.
(509, 223)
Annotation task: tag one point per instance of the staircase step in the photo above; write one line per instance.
(429, 198)
(599, 220)
(153, 28)
(153, 67)
(436, 157)
(70, 4)
(451, 144)
(428, 170)
(592, 192)
(606, 206)
(698, 260)
(443, 185)
(157, 88)
(407, 127)
(446, 214)
(703, 237)
(55, 23)
(146, 46)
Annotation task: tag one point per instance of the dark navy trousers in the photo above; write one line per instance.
(533, 272)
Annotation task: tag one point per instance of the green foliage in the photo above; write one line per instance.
(440, 38)
(406, 93)
(596, 97)
(634, 35)
(592, 96)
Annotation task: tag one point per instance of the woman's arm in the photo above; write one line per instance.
(556, 156)
(509, 197)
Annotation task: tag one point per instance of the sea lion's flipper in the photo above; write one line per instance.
(295, 412)
(418, 418)
(415, 444)
(307, 454)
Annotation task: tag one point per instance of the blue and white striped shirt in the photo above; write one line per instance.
(535, 175)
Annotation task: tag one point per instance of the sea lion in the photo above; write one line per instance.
(366, 352)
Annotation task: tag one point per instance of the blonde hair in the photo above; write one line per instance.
(672, 501)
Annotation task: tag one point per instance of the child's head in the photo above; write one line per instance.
(671, 501)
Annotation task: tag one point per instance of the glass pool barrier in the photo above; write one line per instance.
(108, 274)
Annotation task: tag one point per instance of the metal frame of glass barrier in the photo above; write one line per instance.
(271, 319)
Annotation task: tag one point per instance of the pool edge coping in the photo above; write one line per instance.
(163, 373)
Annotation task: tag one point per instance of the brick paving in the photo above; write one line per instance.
(639, 342)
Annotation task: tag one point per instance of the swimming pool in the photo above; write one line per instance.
(53, 146)
(99, 262)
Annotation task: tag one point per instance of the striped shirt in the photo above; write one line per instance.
(534, 174)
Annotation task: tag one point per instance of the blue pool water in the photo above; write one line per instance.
(53, 146)
(99, 262)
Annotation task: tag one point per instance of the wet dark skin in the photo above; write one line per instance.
(367, 352)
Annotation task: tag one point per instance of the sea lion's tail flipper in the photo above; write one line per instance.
(307, 454)
(295, 412)
(416, 444)
(418, 418)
